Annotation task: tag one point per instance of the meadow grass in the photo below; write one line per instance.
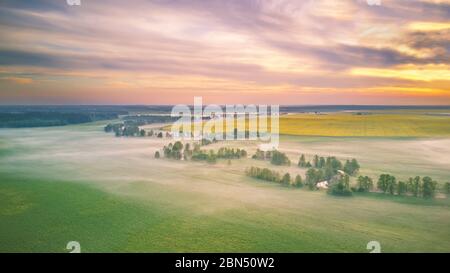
(42, 216)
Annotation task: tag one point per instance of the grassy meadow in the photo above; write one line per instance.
(77, 183)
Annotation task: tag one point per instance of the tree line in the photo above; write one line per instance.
(121, 129)
(274, 176)
(330, 165)
(179, 151)
(416, 186)
(44, 119)
(132, 130)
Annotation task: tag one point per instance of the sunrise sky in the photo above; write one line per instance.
(241, 51)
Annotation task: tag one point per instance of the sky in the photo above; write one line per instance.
(310, 52)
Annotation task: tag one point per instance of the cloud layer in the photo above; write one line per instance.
(258, 51)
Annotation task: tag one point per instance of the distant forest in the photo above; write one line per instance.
(42, 116)
(43, 119)
(22, 116)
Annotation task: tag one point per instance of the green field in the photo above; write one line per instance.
(42, 216)
(77, 183)
(368, 125)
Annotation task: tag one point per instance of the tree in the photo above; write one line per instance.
(447, 188)
(160, 135)
(351, 167)
(157, 155)
(387, 183)
(414, 186)
(322, 162)
(178, 146)
(312, 177)
(316, 161)
(365, 183)
(392, 185)
(428, 187)
(402, 188)
(286, 180)
(382, 183)
(187, 151)
(341, 187)
(142, 132)
(302, 161)
(298, 181)
(355, 166)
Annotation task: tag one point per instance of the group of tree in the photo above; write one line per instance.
(387, 183)
(140, 120)
(302, 162)
(223, 153)
(179, 151)
(418, 187)
(331, 163)
(351, 167)
(338, 183)
(341, 186)
(203, 155)
(276, 157)
(273, 176)
(279, 158)
(121, 129)
(313, 176)
(152, 133)
(365, 184)
(174, 151)
(231, 153)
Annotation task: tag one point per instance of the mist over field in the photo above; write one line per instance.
(194, 206)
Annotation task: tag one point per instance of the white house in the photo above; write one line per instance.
(322, 185)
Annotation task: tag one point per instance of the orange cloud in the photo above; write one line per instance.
(19, 80)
